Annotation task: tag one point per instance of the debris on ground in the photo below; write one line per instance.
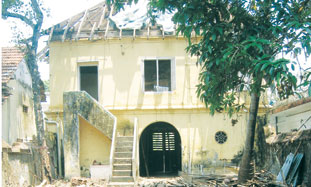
(163, 182)
(78, 182)
(261, 178)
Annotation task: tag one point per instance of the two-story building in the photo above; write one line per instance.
(141, 79)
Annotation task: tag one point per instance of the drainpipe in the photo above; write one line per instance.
(58, 145)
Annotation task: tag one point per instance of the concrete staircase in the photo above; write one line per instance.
(122, 162)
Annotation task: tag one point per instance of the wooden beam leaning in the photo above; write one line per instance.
(92, 31)
(51, 34)
(101, 18)
(66, 29)
(108, 22)
(81, 24)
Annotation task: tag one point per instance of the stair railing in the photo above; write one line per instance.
(134, 150)
(112, 146)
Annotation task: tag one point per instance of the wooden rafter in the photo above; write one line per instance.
(92, 32)
(108, 22)
(66, 29)
(81, 24)
(51, 34)
(101, 18)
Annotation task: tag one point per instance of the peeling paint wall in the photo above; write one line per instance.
(16, 122)
(80, 104)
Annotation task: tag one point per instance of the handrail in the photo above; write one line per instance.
(113, 145)
(134, 150)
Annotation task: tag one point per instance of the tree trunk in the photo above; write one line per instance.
(245, 171)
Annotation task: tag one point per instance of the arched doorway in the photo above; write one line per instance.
(159, 150)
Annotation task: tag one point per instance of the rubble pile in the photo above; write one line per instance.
(261, 178)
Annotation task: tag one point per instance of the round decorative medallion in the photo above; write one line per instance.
(221, 137)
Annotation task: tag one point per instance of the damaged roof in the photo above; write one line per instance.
(11, 57)
(96, 23)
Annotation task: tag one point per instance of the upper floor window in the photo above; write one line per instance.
(159, 75)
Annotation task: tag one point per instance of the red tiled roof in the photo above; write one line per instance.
(11, 57)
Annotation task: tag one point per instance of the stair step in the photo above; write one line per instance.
(122, 167)
(124, 138)
(121, 179)
(123, 155)
(122, 161)
(123, 149)
(121, 184)
(125, 143)
(126, 173)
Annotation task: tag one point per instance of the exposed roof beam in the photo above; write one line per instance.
(51, 34)
(65, 32)
(81, 24)
(108, 22)
(92, 32)
(101, 18)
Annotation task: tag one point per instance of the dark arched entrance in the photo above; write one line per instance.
(159, 150)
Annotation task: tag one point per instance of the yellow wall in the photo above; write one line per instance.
(119, 63)
(120, 91)
(197, 130)
(94, 145)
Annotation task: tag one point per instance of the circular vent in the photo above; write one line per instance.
(221, 137)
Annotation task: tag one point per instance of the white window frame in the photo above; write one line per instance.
(173, 73)
(88, 63)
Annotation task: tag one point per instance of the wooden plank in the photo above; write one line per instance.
(285, 168)
(81, 24)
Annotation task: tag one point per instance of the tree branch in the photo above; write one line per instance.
(18, 16)
(37, 10)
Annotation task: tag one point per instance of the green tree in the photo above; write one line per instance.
(30, 13)
(239, 41)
